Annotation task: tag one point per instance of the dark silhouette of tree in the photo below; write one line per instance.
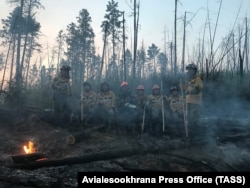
(80, 48)
(152, 53)
(162, 61)
(22, 31)
(60, 42)
(112, 27)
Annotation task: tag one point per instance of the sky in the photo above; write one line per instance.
(156, 16)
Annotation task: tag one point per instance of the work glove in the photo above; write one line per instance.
(130, 105)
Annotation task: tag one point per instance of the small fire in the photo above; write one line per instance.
(30, 148)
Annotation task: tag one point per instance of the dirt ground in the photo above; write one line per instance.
(223, 147)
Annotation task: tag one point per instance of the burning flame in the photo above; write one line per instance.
(30, 148)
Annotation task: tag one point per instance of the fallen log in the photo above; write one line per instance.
(166, 149)
(100, 156)
(105, 155)
(77, 137)
(26, 158)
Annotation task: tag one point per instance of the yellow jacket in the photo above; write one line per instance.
(61, 85)
(155, 101)
(88, 100)
(140, 101)
(106, 100)
(194, 90)
(176, 103)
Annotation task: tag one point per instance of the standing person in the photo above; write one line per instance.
(155, 102)
(106, 105)
(62, 93)
(126, 108)
(193, 90)
(125, 96)
(176, 106)
(176, 103)
(88, 103)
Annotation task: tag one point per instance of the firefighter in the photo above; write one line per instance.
(88, 103)
(106, 105)
(126, 108)
(193, 91)
(62, 93)
(125, 97)
(157, 106)
(176, 106)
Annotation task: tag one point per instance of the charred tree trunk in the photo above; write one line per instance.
(105, 155)
(18, 63)
(26, 158)
(175, 40)
(100, 156)
(124, 49)
(5, 65)
(183, 45)
(241, 59)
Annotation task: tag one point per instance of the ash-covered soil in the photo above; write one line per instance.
(223, 147)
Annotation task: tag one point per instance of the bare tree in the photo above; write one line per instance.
(175, 39)
(136, 23)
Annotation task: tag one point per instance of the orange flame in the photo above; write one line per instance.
(30, 148)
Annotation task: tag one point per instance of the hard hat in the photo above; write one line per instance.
(124, 83)
(140, 87)
(191, 66)
(155, 86)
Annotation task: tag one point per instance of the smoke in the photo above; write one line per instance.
(225, 122)
(222, 100)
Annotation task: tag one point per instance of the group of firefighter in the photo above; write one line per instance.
(157, 114)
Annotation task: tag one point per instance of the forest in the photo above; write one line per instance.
(26, 93)
(24, 78)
